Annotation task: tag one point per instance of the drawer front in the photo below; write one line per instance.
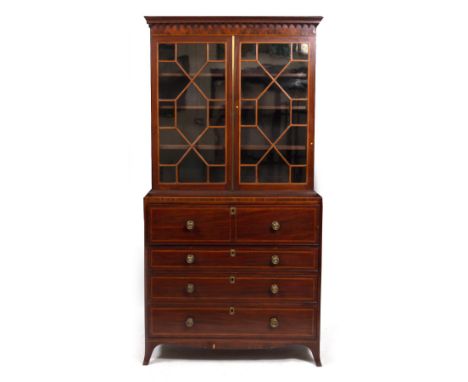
(231, 286)
(189, 224)
(278, 224)
(196, 258)
(236, 321)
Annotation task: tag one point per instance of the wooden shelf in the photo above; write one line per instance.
(291, 75)
(279, 147)
(220, 75)
(183, 147)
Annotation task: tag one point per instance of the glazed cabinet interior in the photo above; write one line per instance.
(232, 223)
(233, 112)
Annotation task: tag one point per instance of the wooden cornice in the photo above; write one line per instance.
(233, 25)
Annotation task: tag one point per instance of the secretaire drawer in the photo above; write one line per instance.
(233, 286)
(168, 224)
(278, 224)
(233, 320)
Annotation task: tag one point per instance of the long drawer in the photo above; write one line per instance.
(232, 321)
(233, 286)
(244, 224)
(265, 258)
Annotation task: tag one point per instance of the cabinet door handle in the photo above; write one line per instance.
(190, 225)
(275, 225)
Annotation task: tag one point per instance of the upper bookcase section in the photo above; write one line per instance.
(182, 26)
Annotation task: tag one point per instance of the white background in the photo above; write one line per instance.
(391, 164)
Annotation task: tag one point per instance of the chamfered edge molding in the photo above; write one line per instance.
(230, 24)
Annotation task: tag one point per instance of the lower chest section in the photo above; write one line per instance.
(232, 270)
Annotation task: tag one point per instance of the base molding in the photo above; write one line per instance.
(225, 344)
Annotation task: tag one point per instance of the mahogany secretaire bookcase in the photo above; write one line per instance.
(232, 223)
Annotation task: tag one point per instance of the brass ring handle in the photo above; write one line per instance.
(232, 279)
(190, 258)
(189, 322)
(275, 225)
(190, 225)
(275, 259)
(190, 288)
(274, 323)
(274, 288)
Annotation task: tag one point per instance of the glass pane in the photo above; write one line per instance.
(254, 80)
(273, 112)
(171, 137)
(248, 113)
(298, 174)
(253, 145)
(217, 174)
(274, 57)
(248, 174)
(216, 51)
(211, 146)
(166, 51)
(273, 169)
(171, 80)
(293, 145)
(170, 156)
(167, 174)
(191, 57)
(248, 51)
(166, 114)
(299, 112)
(300, 51)
(211, 80)
(192, 169)
(192, 111)
(273, 102)
(294, 79)
(217, 113)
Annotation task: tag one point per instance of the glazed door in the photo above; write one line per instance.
(274, 123)
(192, 105)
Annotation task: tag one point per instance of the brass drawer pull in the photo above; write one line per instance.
(190, 258)
(274, 288)
(190, 225)
(275, 259)
(190, 288)
(232, 279)
(189, 322)
(275, 225)
(232, 253)
(274, 323)
(232, 311)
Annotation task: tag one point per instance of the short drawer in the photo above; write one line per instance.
(233, 286)
(277, 224)
(233, 321)
(272, 259)
(180, 224)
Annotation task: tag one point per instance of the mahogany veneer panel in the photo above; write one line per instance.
(297, 224)
(243, 287)
(300, 322)
(306, 260)
(168, 224)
